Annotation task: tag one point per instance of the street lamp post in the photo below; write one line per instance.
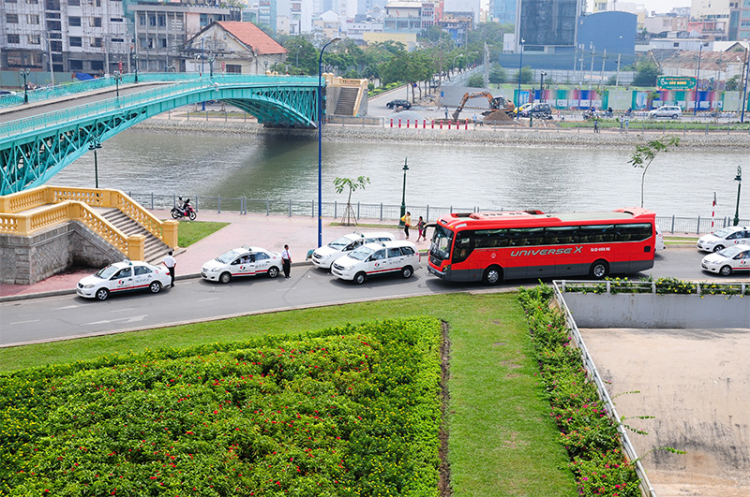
(541, 85)
(25, 74)
(520, 67)
(320, 141)
(118, 77)
(403, 196)
(593, 53)
(95, 146)
(739, 187)
(698, 79)
(135, 65)
(211, 60)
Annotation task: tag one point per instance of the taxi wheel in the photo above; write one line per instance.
(407, 272)
(155, 287)
(225, 278)
(273, 272)
(718, 247)
(725, 271)
(102, 294)
(360, 278)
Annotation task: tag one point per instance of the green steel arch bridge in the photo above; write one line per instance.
(35, 148)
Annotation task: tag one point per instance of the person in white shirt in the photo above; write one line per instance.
(170, 262)
(286, 261)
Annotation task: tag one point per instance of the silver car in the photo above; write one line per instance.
(672, 111)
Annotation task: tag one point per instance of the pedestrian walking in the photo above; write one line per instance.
(622, 121)
(446, 112)
(286, 262)
(420, 227)
(596, 125)
(170, 262)
(407, 223)
(627, 122)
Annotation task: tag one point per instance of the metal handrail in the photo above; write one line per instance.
(590, 366)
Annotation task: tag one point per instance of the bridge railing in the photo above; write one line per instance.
(124, 102)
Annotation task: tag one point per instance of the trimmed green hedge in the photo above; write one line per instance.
(341, 412)
(588, 433)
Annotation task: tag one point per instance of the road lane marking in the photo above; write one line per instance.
(132, 319)
(66, 307)
(123, 310)
(24, 322)
(206, 300)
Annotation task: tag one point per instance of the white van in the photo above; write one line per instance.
(374, 259)
(323, 257)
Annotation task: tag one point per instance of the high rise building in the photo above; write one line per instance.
(547, 26)
(503, 11)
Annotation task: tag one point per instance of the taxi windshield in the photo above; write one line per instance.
(228, 257)
(340, 243)
(361, 253)
(442, 240)
(730, 252)
(106, 273)
(723, 233)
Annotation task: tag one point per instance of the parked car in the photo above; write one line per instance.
(723, 238)
(659, 244)
(730, 260)
(374, 259)
(122, 277)
(520, 111)
(404, 104)
(672, 111)
(241, 262)
(539, 111)
(323, 257)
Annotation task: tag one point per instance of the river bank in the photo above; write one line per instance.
(510, 136)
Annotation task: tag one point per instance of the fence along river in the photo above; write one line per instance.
(678, 183)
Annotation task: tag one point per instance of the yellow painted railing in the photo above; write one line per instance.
(68, 204)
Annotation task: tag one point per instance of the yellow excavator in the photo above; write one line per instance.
(496, 103)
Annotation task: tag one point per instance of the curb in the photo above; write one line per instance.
(55, 293)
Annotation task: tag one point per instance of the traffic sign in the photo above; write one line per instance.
(676, 82)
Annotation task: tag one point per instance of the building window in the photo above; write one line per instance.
(35, 40)
(32, 19)
(96, 42)
(95, 22)
(163, 43)
(234, 69)
(75, 65)
(75, 41)
(74, 22)
(56, 46)
(115, 19)
(74, 3)
(117, 40)
(142, 20)
(11, 18)
(14, 39)
(33, 2)
(97, 66)
(162, 21)
(152, 20)
(54, 26)
(10, 1)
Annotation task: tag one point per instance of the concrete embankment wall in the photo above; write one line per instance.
(659, 311)
(501, 136)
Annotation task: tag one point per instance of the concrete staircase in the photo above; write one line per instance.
(347, 100)
(154, 248)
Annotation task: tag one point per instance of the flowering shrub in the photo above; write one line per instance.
(587, 432)
(344, 412)
(662, 286)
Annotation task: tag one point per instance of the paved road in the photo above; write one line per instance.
(69, 316)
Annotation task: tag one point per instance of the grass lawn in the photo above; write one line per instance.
(502, 441)
(193, 231)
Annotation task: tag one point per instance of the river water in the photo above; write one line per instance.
(554, 178)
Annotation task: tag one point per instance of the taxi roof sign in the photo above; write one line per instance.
(676, 82)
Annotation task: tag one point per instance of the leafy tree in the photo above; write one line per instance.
(612, 80)
(645, 154)
(527, 76)
(498, 75)
(476, 81)
(733, 83)
(434, 36)
(353, 185)
(646, 72)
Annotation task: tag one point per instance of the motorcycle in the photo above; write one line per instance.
(184, 209)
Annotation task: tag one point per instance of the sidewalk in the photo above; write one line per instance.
(269, 232)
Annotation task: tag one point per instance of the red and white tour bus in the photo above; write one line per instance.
(497, 246)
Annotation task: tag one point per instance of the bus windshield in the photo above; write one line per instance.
(442, 241)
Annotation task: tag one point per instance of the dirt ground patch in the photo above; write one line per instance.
(695, 383)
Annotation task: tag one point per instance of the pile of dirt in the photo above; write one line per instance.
(497, 116)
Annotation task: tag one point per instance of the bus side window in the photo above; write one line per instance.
(462, 248)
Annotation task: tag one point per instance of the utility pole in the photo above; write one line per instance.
(593, 53)
(601, 75)
(49, 60)
(617, 78)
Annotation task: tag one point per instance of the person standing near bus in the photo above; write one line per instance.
(421, 228)
(407, 222)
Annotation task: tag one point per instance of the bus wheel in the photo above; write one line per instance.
(492, 275)
(599, 270)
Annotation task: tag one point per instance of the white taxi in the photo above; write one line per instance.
(122, 277)
(723, 238)
(240, 262)
(730, 260)
(323, 257)
(374, 259)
